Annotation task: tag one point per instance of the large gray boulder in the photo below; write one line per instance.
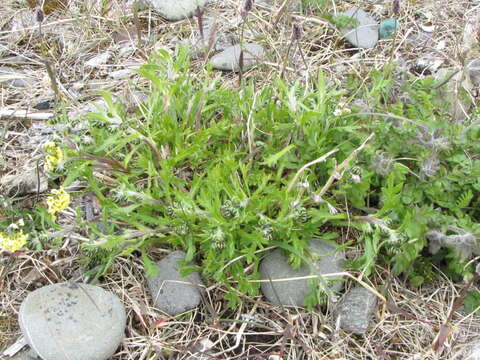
(176, 9)
(327, 260)
(172, 293)
(72, 321)
(354, 312)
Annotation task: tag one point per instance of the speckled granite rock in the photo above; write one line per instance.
(449, 93)
(292, 5)
(354, 312)
(72, 321)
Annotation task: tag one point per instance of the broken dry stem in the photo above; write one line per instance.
(337, 173)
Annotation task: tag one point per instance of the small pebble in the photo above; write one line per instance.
(387, 28)
(355, 310)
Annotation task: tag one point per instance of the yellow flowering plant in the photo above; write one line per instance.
(57, 201)
(13, 241)
(54, 155)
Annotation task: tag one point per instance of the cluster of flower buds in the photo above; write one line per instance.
(298, 212)
(265, 227)
(230, 209)
(217, 238)
(181, 230)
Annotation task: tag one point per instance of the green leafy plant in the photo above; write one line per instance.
(422, 179)
(205, 168)
(226, 174)
(472, 302)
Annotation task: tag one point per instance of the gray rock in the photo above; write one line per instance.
(215, 38)
(355, 310)
(472, 352)
(473, 72)
(14, 78)
(293, 293)
(229, 59)
(293, 5)
(172, 293)
(176, 9)
(365, 34)
(72, 321)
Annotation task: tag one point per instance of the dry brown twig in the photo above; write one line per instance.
(337, 172)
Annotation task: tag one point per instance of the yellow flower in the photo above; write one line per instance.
(13, 242)
(58, 201)
(54, 155)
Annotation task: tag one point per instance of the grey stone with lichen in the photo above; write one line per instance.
(451, 92)
(172, 293)
(355, 310)
(215, 37)
(72, 321)
(327, 259)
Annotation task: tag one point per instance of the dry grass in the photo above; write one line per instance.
(71, 37)
(405, 328)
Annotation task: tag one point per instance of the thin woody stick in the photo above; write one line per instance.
(306, 166)
(8, 114)
(342, 166)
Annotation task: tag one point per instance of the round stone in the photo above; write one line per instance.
(365, 33)
(176, 9)
(229, 59)
(72, 321)
(287, 292)
(173, 293)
